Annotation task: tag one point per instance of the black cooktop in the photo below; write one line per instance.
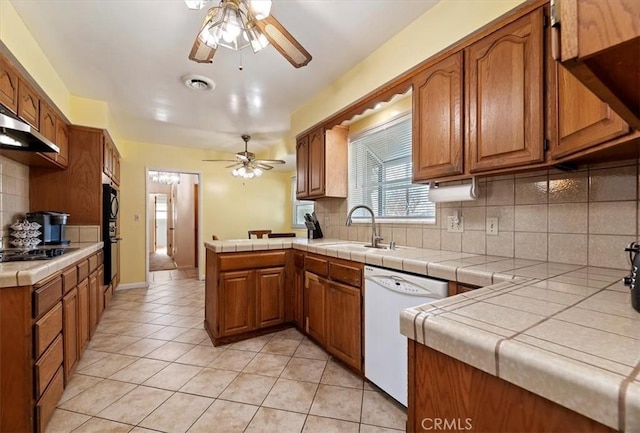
(23, 255)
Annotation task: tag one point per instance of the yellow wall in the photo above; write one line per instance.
(389, 112)
(230, 206)
(441, 26)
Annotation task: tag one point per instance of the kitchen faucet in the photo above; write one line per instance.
(374, 237)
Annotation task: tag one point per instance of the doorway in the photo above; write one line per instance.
(172, 221)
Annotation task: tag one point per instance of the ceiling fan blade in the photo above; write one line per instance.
(282, 41)
(269, 161)
(237, 164)
(200, 51)
(263, 166)
(220, 160)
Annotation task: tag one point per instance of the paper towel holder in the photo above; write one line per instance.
(451, 193)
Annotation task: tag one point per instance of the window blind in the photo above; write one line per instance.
(380, 174)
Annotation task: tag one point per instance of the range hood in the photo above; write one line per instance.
(18, 135)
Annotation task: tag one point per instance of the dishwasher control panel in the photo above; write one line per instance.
(399, 285)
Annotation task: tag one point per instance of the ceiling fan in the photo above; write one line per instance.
(246, 165)
(236, 24)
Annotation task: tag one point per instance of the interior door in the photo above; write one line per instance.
(171, 223)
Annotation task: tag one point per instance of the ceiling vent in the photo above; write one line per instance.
(198, 82)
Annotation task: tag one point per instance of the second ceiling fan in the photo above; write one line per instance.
(236, 24)
(246, 165)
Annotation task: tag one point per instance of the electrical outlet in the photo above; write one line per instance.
(492, 226)
(453, 226)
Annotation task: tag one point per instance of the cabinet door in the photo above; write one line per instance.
(316, 163)
(47, 122)
(505, 100)
(83, 313)
(270, 297)
(583, 119)
(298, 293)
(93, 303)
(28, 104)
(302, 167)
(344, 335)
(62, 141)
(237, 299)
(8, 86)
(70, 330)
(314, 288)
(100, 281)
(437, 120)
(106, 157)
(116, 168)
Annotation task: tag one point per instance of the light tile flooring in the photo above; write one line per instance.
(152, 367)
(173, 274)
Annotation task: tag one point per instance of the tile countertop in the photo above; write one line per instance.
(565, 332)
(14, 274)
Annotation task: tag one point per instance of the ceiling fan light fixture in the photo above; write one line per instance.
(196, 5)
(260, 8)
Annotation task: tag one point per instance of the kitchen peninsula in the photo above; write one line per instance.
(564, 335)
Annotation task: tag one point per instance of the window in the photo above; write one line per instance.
(380, 174)
(300, 207)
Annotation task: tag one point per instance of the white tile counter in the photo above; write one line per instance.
(27, 273)
(565, 332)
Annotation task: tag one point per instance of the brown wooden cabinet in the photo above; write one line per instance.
(443, 389)
(41, 335)
(333, 307)
(505, 116)
(599, 42)
(28, 104)
(244, 294)
(584, 120)
(270, 297)
(321, 162)
(437, 120)
(236, 293)
(70, 327)
(315, 309)
(93, 303)
(83, 314)
(8, 86)
(298, 289)
(344, 332)
(62, 141)
(47, 122)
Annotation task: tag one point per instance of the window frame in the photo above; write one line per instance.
(404, 116)
(295, 203)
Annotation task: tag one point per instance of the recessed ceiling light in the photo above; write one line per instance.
(198, 82)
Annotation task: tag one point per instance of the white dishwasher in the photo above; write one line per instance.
(386, 294)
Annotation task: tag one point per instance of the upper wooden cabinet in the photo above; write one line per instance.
(322, 163)
(584, 120)
(62, 141)
(505, 126)
(110, 160)
(599, 42)
(8, 86)
(437, 120)
(28, 104)
(47, 122)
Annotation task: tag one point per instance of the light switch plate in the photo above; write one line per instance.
(492, 226)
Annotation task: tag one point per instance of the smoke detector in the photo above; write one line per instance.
(198, 82)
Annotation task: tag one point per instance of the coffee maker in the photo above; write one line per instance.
(53, 224)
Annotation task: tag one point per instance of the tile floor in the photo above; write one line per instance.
(173, 274)
(152, 367)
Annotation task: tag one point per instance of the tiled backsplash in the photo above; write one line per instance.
(82, 234)
(583, 217)
(14, 192)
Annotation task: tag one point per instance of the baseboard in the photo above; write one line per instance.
(141, 285)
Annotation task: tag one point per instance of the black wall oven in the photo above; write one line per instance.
(110, 208)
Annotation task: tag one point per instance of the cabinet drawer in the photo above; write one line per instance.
(232, 262)
(83, 270)
(93, 263)
(47, 329)
(47, 366)
(47, 404)
(350, 275)
(46, 296)
(316, 266)
(69, 279)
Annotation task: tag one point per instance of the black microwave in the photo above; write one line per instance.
(110, 204)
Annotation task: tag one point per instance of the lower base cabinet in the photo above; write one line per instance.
(316, 315)
(43, 330)
(344, 323)
(443, 389)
